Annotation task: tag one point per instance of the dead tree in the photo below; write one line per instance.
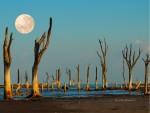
(59, 81)
(68, 72)
(131, 61)
(18, 77)
(37, 58)
(96, 82)
(123, 73)
(74, 81)
(146, 61)
(103, 63)
(19, 85)
(65, 87)
(7, 59)
(47, 81)
(26, 82)
(88, 79)
(78, 77)
(56, 77)
(53, 80)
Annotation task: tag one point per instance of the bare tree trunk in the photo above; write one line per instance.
(131, 61)
(7, 83)
(70, 76)
(146, 79)
(26, 82)
(7, 59)
(146, 72)
(123, 73)
(103, 63)
(37, 58)
(88, 79)
(70, 79)
(19, 86)
(42, 88)
(103, 80)
(96, 82)
(48, 80)
(35, 84)
(12, 87)
(18, 77)
(65, 87)
(59, 81)
(130, 79)
(56, 77)
(78, 77)
(106, 83)
(52, 86)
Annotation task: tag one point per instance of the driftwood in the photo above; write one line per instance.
(137, 86)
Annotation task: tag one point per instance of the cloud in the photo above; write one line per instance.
(138, 42)
(87, 55)
(147, 48)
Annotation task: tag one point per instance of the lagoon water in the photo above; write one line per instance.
(74, 93)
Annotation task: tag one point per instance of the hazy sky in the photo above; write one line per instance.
(77, 27)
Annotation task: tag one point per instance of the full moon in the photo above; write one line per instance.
(24, 23)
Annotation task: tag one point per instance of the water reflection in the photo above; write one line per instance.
(73, 92)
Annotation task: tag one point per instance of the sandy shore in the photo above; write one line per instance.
(103, 104)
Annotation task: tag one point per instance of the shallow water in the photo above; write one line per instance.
(73, 92)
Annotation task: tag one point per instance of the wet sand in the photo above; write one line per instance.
(103, 104)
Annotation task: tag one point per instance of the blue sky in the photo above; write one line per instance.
(77, 27)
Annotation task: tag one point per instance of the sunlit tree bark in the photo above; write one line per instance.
(103, 63)
(7, 59)
(146, 61)
(131, 61)
(37, 58)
